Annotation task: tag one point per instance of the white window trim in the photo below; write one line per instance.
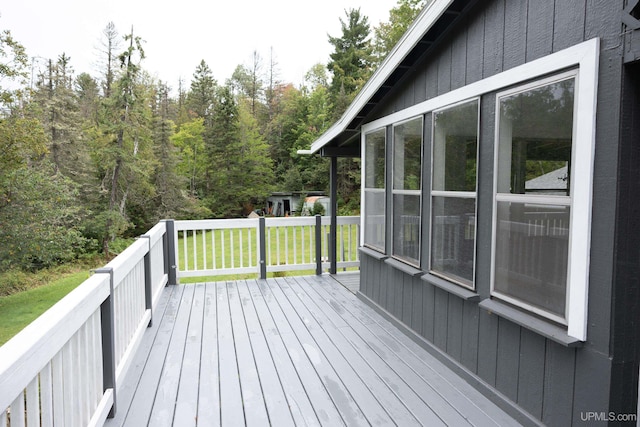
(455, 194)
(579, 199)
(364, 189)
(583, 56)
(407, 192)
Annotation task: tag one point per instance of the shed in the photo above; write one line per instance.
(531, 294)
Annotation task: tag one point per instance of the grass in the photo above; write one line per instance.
(238, 248)
(25, 296)
(20, 309)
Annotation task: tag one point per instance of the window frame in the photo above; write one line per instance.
(366, 189)
(418, 192)
(585, 58)
(458, 194)
(578, 200)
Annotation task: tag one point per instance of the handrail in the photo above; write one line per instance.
(232, 246)
(65, 368)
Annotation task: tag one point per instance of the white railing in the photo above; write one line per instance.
(234, 246)
(65, 367)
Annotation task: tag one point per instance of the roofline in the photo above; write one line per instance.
(427, 18)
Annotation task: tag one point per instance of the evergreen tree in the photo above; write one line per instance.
(221, 142)
(59, 112)
(169, 201)
(351, 60)
(201, 98)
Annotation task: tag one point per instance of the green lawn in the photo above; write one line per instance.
(238, 247)
(20, 309)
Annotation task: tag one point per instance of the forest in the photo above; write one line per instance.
(87, 159)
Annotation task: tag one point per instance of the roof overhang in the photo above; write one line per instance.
(343, 138)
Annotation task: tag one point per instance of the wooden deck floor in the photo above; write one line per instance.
(288, 351)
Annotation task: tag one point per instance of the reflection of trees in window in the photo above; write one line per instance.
(375, 159)
(541, 127)
(531, 249)
(374, 189)
(453, 201)
(407, 171)
(456, 140)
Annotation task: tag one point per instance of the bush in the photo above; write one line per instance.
(37, 221)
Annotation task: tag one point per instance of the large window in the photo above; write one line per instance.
(407, 185)
(533, 196)
(453, 192)
(374, 189)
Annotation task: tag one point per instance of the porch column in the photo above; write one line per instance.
(333, 190)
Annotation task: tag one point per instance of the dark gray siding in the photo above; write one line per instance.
(552, 383)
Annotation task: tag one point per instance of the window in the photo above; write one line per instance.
(533, 200)
(453, 192)
(374, 189)
(407, 184)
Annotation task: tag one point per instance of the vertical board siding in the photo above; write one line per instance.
(557, 403)
(470, 322)
(565, 31)
(508, 358)
(454, 327)
(530, 382)
(459, 59)
(494, 25)
(515, 35)
(441, 302)
(544, 378)
(417, 309)
(540, 25)
(428, 313)
(475, 49)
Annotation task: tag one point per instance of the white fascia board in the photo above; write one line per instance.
(427, 18)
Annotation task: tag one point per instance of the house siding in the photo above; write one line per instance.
(547, 381)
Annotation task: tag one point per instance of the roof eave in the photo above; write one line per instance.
(427, 18)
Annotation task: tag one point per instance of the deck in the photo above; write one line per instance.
(287, 351)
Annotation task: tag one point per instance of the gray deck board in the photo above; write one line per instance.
(283, 352)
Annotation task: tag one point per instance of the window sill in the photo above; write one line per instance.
(405, 268)
(452, 288)
(373, 253)
(530, 322)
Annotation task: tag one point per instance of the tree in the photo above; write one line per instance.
(38, 219)
(13, 64)
(387, 34)
(122, 149)
(247, 83)
(201, 98)
(166, 181)
(351, 61)
(110, 46)
(57, 107)
(192, 165)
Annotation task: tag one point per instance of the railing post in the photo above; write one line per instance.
(263, 247)
(107, 322)
(148, 292)
(333, 226)
(318, 245)
(170, 252)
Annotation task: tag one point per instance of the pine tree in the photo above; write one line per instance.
(167, 183)
(201, 98)
(351, 60)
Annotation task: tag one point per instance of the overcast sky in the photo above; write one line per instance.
(180, 33)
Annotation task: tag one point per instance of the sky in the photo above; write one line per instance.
(178, 34)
